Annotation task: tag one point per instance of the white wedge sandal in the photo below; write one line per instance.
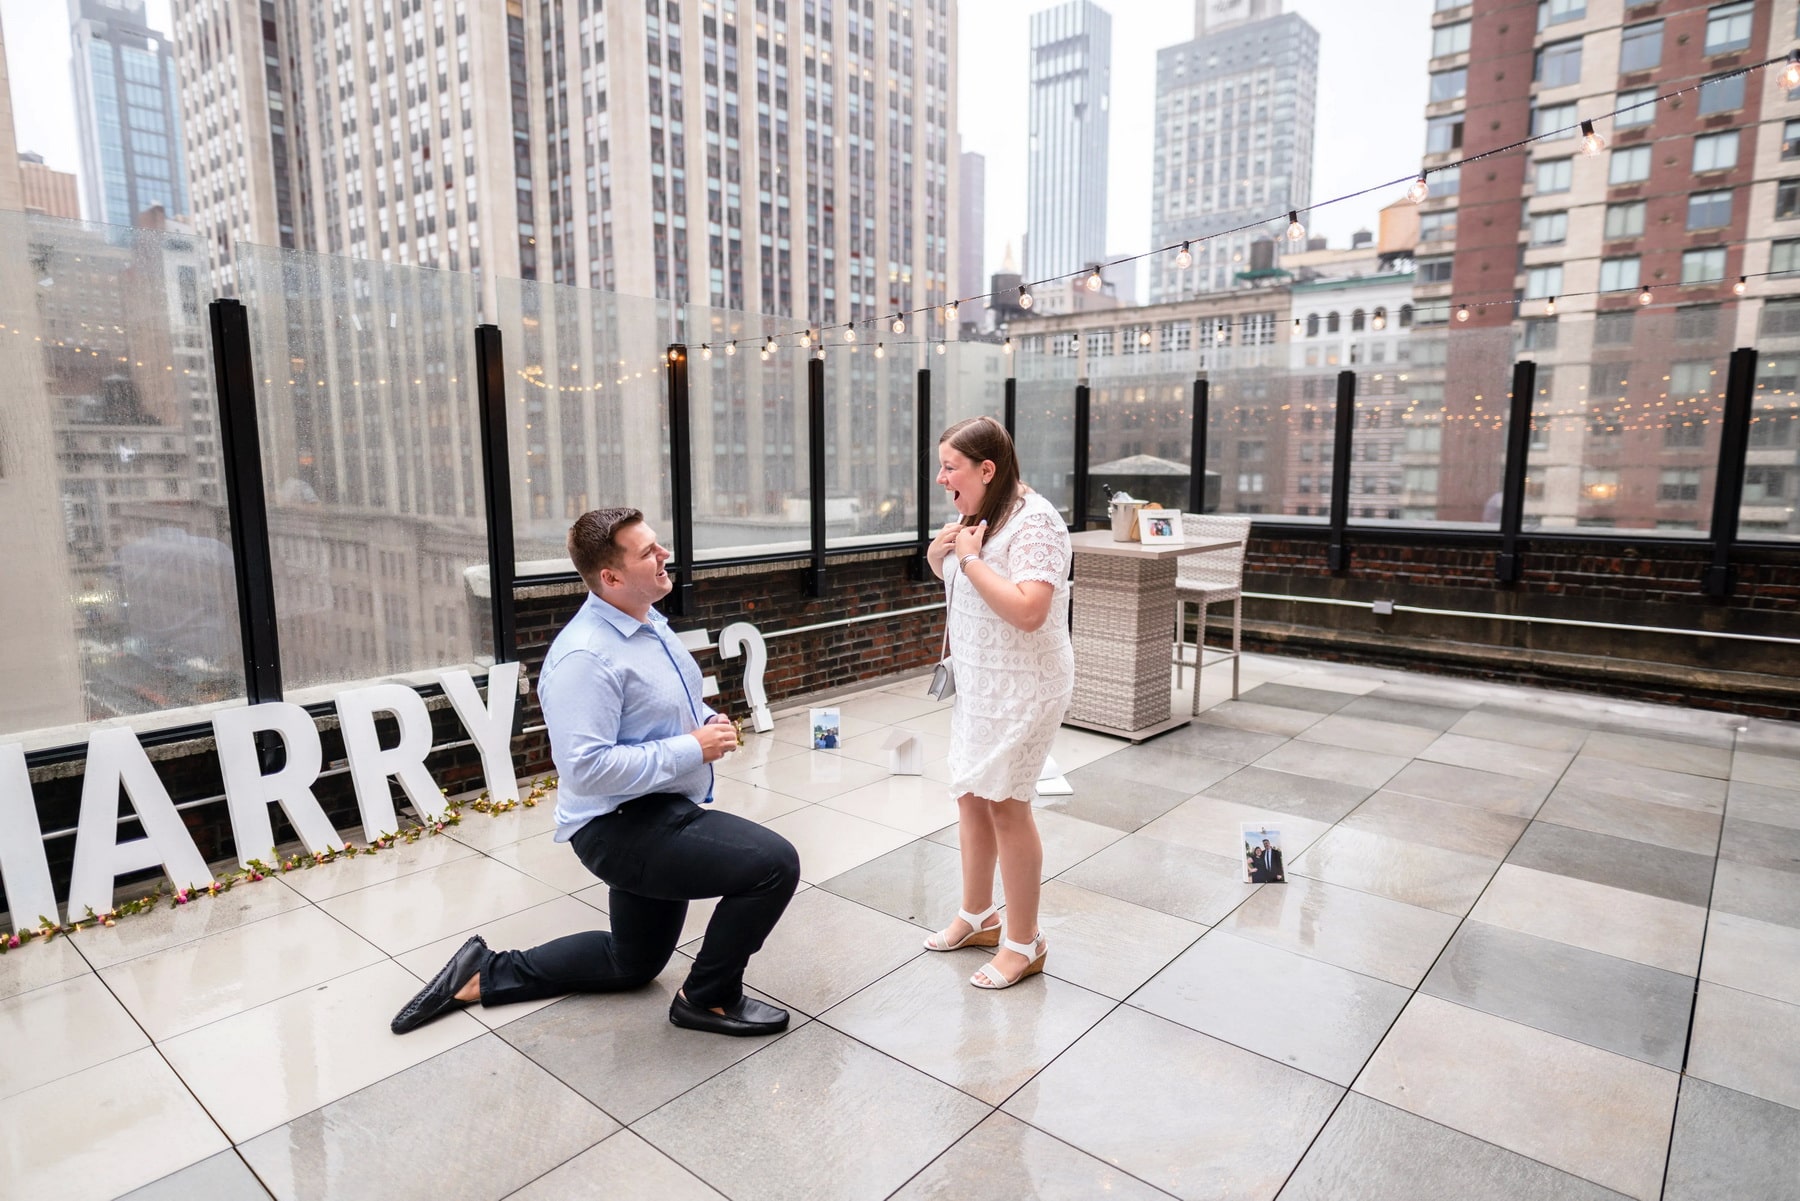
(1036, 951)
(979, 935)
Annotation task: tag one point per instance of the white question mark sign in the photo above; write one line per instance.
(742, 637)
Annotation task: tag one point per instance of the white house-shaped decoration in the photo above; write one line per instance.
(906, 754)
(1051, 781)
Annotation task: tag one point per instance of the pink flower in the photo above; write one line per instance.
(12, 942)
(181, 896)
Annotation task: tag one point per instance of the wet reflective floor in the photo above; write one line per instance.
(1530, 945)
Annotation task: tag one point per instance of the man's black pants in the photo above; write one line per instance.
(658, 852)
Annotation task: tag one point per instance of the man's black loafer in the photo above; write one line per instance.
(747, 1019)
(439, 997)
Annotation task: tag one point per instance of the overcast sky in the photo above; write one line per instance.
(1372, 50)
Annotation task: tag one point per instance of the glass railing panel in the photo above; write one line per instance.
(371, 449)
(1046, 368)
(588, 413)
(871, 417)
(117, 539)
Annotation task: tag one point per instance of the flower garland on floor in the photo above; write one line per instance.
(258, 870)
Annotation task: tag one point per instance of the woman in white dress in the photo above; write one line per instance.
(1005, 566)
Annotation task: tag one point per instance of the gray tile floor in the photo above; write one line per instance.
(1533, 945)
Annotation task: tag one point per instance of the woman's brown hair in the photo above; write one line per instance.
(983, 439)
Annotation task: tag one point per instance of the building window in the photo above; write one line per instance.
(1790, 140)
(1543, 281)
(1559, 64)
(1450, 39)
(1784, 257)
(1682, 483)
(1555, 12)
(1357, 321)
(1697, 322)
(1442, 135)
(1446, 183)
(1540, 334)
(1557, 119)
(1434, 271)
(1787, 198)
(1631, 165)
(1636, 107)
(1781, 318)
(1555, 175)
(1709, 210)
(1617, 275)
(1547, 229)
(1728, 27)
(1613, 329)
(1625, 220)
(1722, 94)
(1331, 322)
(1763, 484)
(1691, 379)
(1438, 227)
(1640, 47)
(1449, 85)
(1703, 266)
(1714, 151)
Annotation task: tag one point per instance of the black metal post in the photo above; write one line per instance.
(681, 481)
(240, 446)
(496, 482)
(1197, 476)
(1337, 555)
(1009, 416)
(1512, 480)
(1083, 420)
(923, 447)
(1728, 487)
(815, 470)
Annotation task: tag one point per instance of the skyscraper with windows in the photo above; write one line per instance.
(1235, 114)
(783, 156)
(1071, 88)
(1619, 272)
(127, 107)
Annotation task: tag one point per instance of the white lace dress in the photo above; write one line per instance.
(1012, 686)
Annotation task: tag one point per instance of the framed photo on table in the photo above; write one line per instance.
(1159, 527)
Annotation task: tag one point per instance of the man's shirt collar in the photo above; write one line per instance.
(625, 623)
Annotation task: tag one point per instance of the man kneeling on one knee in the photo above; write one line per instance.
(634, 747)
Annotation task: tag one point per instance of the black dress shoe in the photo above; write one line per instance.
(748, 1018)
(439, 997)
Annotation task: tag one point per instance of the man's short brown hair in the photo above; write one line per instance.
(593, 539)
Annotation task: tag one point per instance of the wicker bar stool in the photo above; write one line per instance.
(1210, 578)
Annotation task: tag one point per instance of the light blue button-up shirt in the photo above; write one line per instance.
(620, 697)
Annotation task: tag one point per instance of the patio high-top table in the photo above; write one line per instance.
(1123, 628)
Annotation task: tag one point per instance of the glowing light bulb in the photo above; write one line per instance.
(1644, 296)
(1184, 258)
(1143, 337)
(705, 351)
(1008, 347)
(1789, 77)
(1379, 320)
(765, 354)
(1741, 286)
(1296, 231)
(940, 348)
(880, 351)
(1550, 309)
(899, 324)
(769, 345)
(1591, 142)
(820, 353)
(1024, 297)
(1462, 312)
(1419, 190)
(805, 338)
(950, 311)
(730, 349)
(1094, 281)
(849, 333)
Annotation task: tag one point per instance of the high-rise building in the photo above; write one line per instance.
(47, 191)
(1235, 113)
(1618, 277)
(1065, 189)
(971, 218)
(128, 112)
(763, 155)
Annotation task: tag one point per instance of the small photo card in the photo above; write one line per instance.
(826, 725)
(1262, 855)
(1159, 527)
